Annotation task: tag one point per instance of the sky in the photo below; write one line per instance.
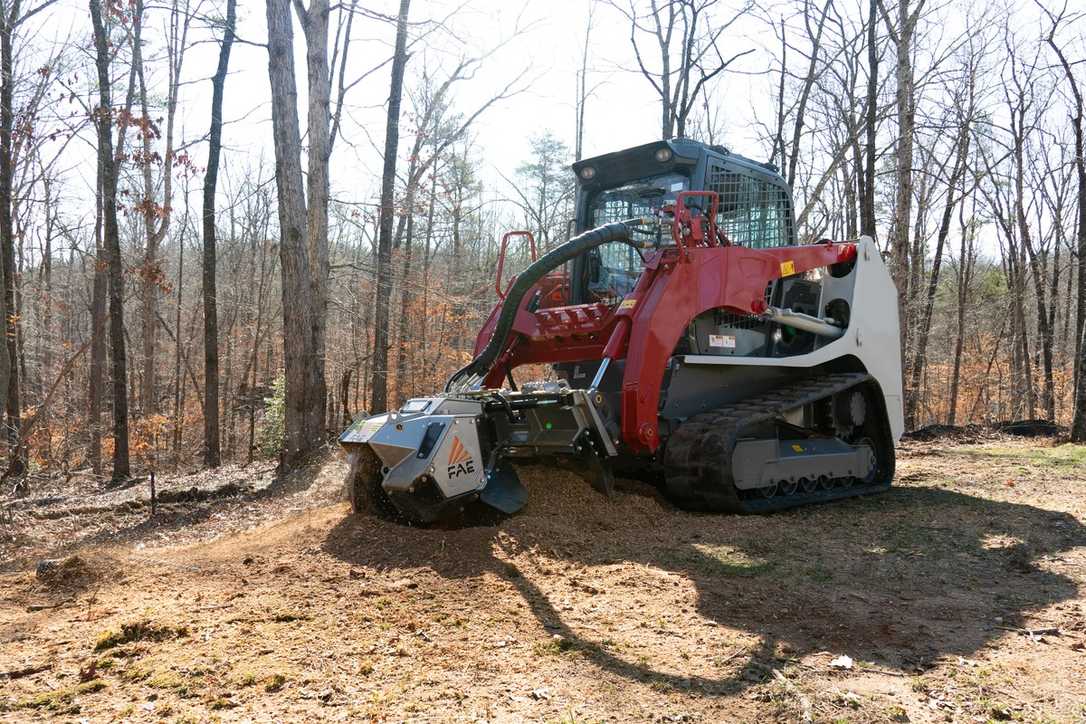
(537, 43)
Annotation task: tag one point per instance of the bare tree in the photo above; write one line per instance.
(8, 370)
(688, 39)
(866, 178)
(963, 117)
(156, 215)
(107, 169)
(789, 154)
(1078, 124)
(303, 244)
(583, 91)
(212, 452)
(902, 31)
(967, 260)
(12, 15)
(544, 189)
(379, 393)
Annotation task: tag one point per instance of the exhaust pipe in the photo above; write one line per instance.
(797, 320)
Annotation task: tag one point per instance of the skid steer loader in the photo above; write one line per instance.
(692, 340)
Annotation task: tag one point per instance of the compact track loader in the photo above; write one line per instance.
(692, 340)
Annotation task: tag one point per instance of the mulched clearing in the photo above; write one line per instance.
(958, 596)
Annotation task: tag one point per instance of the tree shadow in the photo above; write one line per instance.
(898, 580)
(137, 525)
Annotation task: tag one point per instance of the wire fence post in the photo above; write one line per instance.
(154, 460)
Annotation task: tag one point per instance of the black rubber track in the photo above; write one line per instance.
(698, 454)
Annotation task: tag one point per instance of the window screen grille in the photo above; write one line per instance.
(615, 207)
(753, 212)
(619, 264)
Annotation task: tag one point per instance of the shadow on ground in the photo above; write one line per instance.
(897, 580)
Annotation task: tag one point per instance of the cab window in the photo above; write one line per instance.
(612, 269)
(753, 212)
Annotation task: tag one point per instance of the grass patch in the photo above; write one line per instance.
(167, 680)
(554, 646)
(162, 679)
(62, 700)
(718, 560)
(137, 631)
(289, 616)
(1067, 455)
(221, 702)
(274, 683)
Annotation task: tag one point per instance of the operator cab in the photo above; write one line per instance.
(755, 206)
(755, 210)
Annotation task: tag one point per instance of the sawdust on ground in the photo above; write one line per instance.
(957, 596)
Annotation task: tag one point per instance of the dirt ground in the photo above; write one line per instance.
(958, 596)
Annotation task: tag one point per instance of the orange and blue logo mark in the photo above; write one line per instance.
(460, 461)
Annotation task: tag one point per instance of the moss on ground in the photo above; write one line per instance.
(62, 701)
(137, 631)
(1067, 455)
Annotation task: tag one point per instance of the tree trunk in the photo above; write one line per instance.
(867, 187)
(97, 365)
(1078, 424)
(961, 158)
(112, 245)
(315, 25)
(387, 212)
(178, 379)
(212, 444)
(149, 277)
(9, 373)
(304, 371)
(904, 199)
(1044, 331)
(964, 261)
(1018, 286)
(406, 299)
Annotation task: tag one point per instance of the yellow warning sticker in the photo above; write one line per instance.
(628, 304)
(797, 448)
(788, 268)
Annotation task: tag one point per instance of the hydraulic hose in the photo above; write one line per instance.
(481, 365)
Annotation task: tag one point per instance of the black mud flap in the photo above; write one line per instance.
(599, 474)
(504, 491)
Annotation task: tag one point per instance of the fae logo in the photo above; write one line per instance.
(460, 461)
